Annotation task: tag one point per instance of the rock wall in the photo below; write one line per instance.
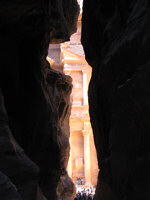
(34, 100)
(116, 40)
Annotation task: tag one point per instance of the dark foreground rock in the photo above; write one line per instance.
(116, 40)
(33, 145)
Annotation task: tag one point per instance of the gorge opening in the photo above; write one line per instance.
(69, 58)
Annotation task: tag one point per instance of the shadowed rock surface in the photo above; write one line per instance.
(116, 40)
(36, 98)
(7, 189)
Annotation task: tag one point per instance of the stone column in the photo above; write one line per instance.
(69, 167)
(87, 163)
(85, 96)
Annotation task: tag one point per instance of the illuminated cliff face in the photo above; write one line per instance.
(80, 2)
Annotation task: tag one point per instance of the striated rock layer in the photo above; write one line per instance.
(34, 99)
(116, 40)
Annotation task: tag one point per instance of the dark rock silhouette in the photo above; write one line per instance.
(116, 40)
(33, 146)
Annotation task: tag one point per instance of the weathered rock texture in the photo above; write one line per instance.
(34, 99)
(116, 40)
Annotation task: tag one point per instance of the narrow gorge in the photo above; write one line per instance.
(35, 99)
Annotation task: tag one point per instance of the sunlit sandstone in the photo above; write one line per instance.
(83, 160)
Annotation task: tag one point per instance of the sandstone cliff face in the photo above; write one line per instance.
(34, 99)
(116, 40)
